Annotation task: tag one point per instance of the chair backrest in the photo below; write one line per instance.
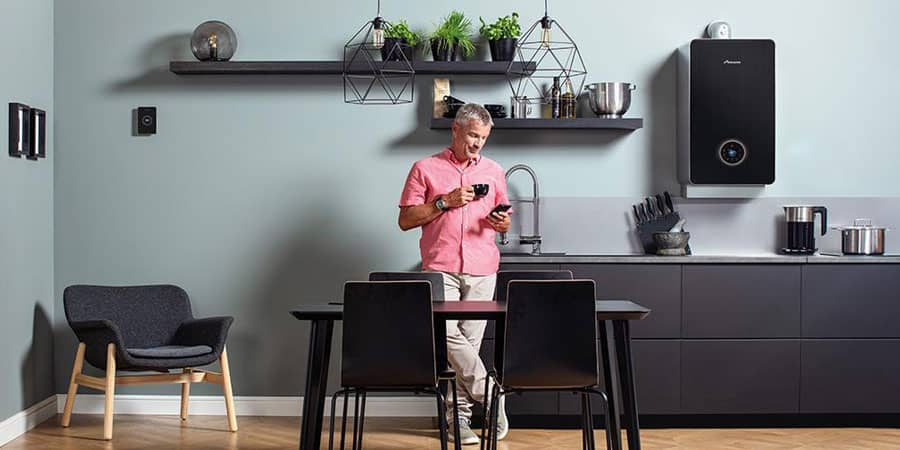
(435, 278)
(147, 316)
(551, 335)
(505, 276)
(388, 335)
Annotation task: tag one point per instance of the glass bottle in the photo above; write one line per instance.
(554, 99)
(567, 100)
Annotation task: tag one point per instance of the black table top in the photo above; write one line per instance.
(478, 310)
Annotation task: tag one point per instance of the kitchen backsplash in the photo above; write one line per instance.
(605, 225)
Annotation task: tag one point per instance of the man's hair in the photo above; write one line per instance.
(473, 111)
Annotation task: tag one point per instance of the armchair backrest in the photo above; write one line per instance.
(147, 316)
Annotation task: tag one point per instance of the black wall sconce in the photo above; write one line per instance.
(38, 134)
(19, 129)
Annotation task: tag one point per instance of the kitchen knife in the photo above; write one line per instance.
(669, 201)
(660, 205)
(637, 216)
(643, 212)
(650, 209)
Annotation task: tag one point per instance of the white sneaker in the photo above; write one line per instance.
(502, 421)
(466, 435)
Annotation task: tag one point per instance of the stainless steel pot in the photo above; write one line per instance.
(610, 99)
(862, 238)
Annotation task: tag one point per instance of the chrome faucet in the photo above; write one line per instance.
(535, 238)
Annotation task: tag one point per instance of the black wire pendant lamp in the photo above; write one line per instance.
(373, 73)
(542, 54)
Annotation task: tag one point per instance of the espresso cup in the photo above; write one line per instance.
(481, 189)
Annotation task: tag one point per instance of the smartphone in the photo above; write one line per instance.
(503, 207)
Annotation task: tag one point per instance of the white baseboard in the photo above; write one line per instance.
(23, 421)
(214, 405)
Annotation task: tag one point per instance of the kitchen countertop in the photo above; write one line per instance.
(770, 258)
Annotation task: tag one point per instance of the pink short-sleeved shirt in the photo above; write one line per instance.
(460, 240)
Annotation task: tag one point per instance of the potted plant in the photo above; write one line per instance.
(399, 34)
(452, 36)
(502, 36)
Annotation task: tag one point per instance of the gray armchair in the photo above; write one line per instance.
(143, 328)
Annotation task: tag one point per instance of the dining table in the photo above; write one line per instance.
(618, 313)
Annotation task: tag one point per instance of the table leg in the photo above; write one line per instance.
(316, 383)
(612, 389)
(626, 379)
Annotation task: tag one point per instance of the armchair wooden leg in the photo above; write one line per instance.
(73, 386)
(226, 386)
(110, 391)
(185, 395)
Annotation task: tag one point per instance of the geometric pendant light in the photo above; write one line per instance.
(542, 54)
(373, 74)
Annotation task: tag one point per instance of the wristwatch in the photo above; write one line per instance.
(440, 204)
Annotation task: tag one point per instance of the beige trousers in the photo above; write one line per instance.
(464, 340)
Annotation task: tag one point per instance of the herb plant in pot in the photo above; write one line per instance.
(451, 37)
(395, 34)
(502, 36)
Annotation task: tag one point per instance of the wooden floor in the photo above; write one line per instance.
(210, 432)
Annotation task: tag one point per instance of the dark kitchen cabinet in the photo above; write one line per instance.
(657, 287)
(741, 301)
(657, 376)
(850, 376)
(851, 301)
(740, 376)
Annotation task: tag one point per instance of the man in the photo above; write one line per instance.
(458, 240)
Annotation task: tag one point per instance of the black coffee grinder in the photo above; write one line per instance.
(800, 233)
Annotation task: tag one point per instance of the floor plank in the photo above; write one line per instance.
(382, 433)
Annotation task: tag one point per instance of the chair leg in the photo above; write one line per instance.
(344, 417)
(73, 386)
(456, 444)
(485, 435)
(331, 425)
(589, 423)
(362, 420)
(442, 418)
(607, 419)
(110, 391)
(226, 386)
(584, 437)
(495, 410)
(185, 394)
(355, 419)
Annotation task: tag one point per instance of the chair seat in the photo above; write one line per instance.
(170, 351)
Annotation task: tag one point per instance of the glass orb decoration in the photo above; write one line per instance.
(213, 40)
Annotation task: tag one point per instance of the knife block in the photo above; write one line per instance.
(663, 223)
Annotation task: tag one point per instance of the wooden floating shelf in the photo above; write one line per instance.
(584, 123)
(337, 67)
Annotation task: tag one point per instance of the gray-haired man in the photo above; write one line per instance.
(459, 241)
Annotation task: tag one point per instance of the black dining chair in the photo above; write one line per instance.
(505, 276)
(388, 346)
(435, 278)
(551, 345)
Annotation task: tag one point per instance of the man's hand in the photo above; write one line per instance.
(460, 196)
(499, 221)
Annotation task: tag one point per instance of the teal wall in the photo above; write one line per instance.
(260, 193)
(26, 211)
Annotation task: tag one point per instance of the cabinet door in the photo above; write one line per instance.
(532, 403)
(741, 301)
(656, 286)
(657, 379)
(851, 301)
(850, 376)
(740, 376)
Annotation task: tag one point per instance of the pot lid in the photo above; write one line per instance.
(859, 224)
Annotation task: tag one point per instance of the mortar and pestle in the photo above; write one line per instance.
(672, 242)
